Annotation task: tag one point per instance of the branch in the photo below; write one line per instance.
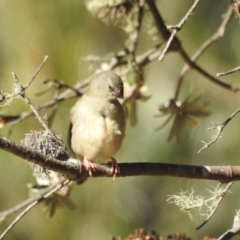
(176, 46)
(29, 201)
(20, 88)
(28, 101)
(57, 187)
(36, 73)
(233, 231)
(79, 88)
(134, 36)
(177, 28)
(74, 169)
(228, 72)
(213, 39)
(220, 198)
(197, 68)
(163, 31)
(219, 129)
(67, 94)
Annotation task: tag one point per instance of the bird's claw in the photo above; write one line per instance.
(89, 166)
(115, 170)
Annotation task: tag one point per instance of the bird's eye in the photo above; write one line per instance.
(110, 88)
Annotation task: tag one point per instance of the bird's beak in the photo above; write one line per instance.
(119, 93)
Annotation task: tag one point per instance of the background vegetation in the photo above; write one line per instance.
(67, 32)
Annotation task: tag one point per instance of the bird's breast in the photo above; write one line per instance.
(99, 133)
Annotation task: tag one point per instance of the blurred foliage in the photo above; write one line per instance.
(141, 234)
(112, 12)
(67, 32)
(182, 114)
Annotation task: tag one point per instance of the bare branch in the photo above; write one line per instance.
(67, 94)
(18, 91)
(28, 101)
(228, 72)
(36, 73)
(20, 206)
(74, 169)
(79, 88)
(58, 186)
(194, 66)
(220, 198)
(177, 28)
(134, 36)
(163, 31)
(164, 51)
(233, 231)
(176, 46)
(214, 38)
(219, 129)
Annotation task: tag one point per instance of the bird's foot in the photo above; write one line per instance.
(89, 166)
(115, 168)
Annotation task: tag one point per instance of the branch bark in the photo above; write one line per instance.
(74, 169)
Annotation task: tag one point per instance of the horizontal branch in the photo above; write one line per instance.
(74, 169)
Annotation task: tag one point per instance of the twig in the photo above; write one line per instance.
(134, 36)
(27, 209)
(228, 72)
(233, 231)
(163, 31)
(60, 84)
(176, 46)
(161, 57)
(214, 38)
(194, 66)
(22, 88)
(220, 198)
(18, 207)
(67, 94)
(131, 44)
(141, 60)
(177, 28)
(28, 101)
(219, 129)
(36, 73)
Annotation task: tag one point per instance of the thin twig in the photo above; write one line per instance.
(21, 88)
(134, 36)
(60, 184)
(228, 72)
(67, 94)
(176, 46)
(141, 60)
(214, 38)
(177, 28)
(163, 31)
(36, 73)
(235, 229)
(220, 198)
(197, 68)
(28, 101)
(58, 84)
(161, 57)
(219, 129)
(18, 207)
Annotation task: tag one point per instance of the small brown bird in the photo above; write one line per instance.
(98, 121)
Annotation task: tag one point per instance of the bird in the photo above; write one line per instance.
(98, 121)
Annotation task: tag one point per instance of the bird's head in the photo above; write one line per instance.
(107, 84)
